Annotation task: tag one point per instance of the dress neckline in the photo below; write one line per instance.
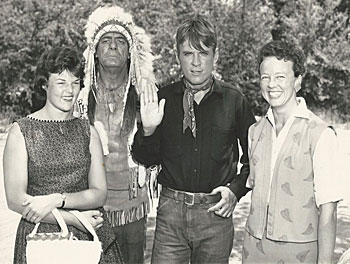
(51, 120)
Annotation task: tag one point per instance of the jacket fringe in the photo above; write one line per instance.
(119, 218)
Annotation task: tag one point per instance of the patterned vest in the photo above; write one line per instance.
(291, 214)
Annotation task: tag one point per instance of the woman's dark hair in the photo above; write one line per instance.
(55, 60)
(286, 51)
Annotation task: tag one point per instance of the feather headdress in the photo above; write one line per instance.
(115, 19)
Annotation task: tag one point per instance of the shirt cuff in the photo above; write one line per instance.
(238, 189)
(143, 140)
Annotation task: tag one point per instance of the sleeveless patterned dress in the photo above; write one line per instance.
(59, 161)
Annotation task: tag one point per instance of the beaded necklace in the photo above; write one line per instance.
(111, 96)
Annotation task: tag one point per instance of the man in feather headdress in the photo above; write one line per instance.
(118, 60)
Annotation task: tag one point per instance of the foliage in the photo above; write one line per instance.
(245, 27)
(28, 27)
(320, 27)
(240, 30)
(324, 35)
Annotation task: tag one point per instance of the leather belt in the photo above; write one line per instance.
(190, 198)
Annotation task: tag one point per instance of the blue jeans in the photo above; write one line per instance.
(132, 241)
(187, 233)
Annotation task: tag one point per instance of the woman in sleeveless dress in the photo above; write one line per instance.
(53, 160)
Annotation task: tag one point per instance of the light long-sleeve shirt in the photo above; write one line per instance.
(327, 179)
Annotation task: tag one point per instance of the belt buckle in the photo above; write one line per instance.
(189, 195)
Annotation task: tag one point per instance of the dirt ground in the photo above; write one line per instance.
(9, 220)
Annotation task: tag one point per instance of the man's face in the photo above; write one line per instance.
(278, 83)
(196, 65)
(112, 50)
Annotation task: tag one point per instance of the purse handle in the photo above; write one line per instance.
(85, 223)
(63, 225)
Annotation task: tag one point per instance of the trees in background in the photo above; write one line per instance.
(242, 26)
(320, 27)
(324, 35)
(27, 28)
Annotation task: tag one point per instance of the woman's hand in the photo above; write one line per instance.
(37, 207)
(94, 217)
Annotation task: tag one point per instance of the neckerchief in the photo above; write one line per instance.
(189, 116)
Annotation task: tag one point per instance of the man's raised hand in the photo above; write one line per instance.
(151, 110)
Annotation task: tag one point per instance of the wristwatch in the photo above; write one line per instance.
(63, 196)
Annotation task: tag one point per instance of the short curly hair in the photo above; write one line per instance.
(286, 51)
(57, 60)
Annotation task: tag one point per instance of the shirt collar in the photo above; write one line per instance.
(300, 112)
(217, 87)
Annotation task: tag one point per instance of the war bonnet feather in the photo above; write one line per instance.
(115, 19)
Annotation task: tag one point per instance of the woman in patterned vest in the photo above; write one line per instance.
(293, 172)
